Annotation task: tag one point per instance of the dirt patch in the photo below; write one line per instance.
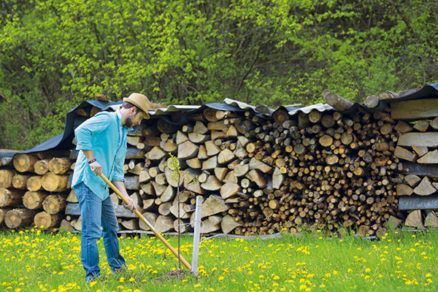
(176, 274)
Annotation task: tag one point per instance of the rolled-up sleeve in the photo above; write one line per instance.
(87, 129)
(118, 167)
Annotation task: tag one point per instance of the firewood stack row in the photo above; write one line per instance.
(33, 190)
(417, 148)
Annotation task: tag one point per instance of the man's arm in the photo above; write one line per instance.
(120, 185)
(95, 166)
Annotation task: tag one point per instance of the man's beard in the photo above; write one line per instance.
(128, 123)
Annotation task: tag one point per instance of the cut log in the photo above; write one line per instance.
(155, 154)
(280, 115)
(325, 140)
(211, 224)
(256, 177)
(187, 150)
(34, 183)
(217, 126)
(172, 178)
(210, 114)
(228, 224)
(33, 200)
(419, 139)
(431, 220)
(19, 181)
(144, 176)
(168, 194)
(16, 218)
(180, 226)
(393, 223)
(421, 125)
(194, 163)
(45, 221)
(412, 179)
(425, 187)
(210, 163)
(66, 226)
(225, 156)
(54, 183)
(181, 138)
(429, 158)
(414, 109)
(77, 224)
(6, 178)
(256, 164)
(420, 150)
(183, 210)
(229, 189)
(212, 184)
(241, 169)
(405, 154)
(24, 162)
(402, 127)
(159, 189)
(211, 148)
(213, 205)
(59, 165)
(220, 172)
(169, 146)
(336, 101)
(200, 128)
(41, 167)
(10, 197)
(277, 179)
(164, 208)
(415, 219)
(404, 190)
(163, 223)
(151, 218)
(197, 138)
(130, 224)
(53, 204)
(133, 140)
(371, 101)
(332, 159)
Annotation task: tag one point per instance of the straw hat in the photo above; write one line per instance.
(140, 101)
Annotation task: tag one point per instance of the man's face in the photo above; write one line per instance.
(134, 119)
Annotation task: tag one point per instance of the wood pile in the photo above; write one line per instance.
(256, 174)
(33, 190)
(417, 147)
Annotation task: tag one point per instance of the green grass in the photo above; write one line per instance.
(34, 261)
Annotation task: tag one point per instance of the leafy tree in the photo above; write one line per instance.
(57, 53)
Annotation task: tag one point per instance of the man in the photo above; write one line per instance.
(102, 141)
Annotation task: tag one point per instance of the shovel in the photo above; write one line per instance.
(139, 215)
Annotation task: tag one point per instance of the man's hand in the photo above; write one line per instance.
(131, 205)
(96, 168)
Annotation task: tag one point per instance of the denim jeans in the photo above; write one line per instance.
(98, 218)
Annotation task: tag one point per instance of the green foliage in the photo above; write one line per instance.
(57, 53)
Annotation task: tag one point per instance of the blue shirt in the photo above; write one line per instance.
(104, 135)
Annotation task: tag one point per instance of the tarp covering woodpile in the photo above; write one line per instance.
(327, 166)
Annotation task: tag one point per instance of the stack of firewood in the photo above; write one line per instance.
(417, 149)
(263, 175)
(34, 190)
(256, 174)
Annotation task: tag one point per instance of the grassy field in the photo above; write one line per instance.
(36, 261)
